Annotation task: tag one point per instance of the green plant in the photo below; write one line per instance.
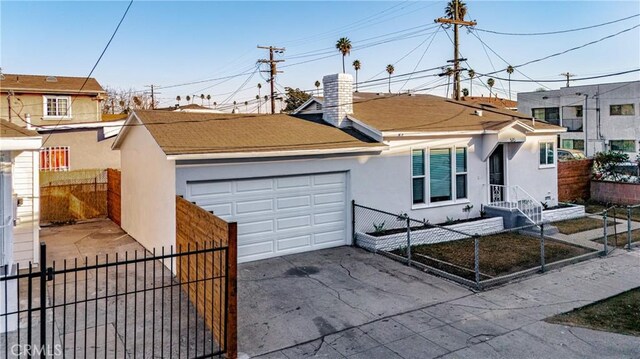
(545, 205)
(483, 213)
(402, 216)
(378, 227)
(450, 220)
(606, 163)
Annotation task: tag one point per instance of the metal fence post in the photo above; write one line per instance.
(542, 247)
(353, 223)
(408, 241)
(476, 258)
(43, 299)
(629, 228)
(606, 249)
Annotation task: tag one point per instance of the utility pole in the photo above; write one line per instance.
(153, 98)
(456, 54)
(272, 70)
(567, 75)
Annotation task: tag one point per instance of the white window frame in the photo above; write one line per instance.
(423, 176)
(45, 112)
(48, 150)
(555, 154)
(427, 177)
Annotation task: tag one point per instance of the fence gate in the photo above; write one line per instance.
(131, 306)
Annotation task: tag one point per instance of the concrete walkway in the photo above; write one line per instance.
(506, 322)
(586, 238)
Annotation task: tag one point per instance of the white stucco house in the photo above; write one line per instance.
(289, 181)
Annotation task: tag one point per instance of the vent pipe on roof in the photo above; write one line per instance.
(478, 113)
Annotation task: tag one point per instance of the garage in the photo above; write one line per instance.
(279, 215)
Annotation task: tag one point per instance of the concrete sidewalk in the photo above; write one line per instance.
(586, 238)
(506, 322)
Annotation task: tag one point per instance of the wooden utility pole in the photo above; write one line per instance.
(272, 71)
(567, 75)
(456, 53)
(153, 98)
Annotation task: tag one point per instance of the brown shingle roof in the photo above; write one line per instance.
(36, 83)
(108, 117)
(8, 129)
(492, 101)
(427, 113)
(202, 133)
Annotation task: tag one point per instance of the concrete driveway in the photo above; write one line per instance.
(298, 298)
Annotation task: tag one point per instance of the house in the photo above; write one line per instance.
(19, 194)
(70, 120)
(611, 120)
(192, 107)
(289, 181)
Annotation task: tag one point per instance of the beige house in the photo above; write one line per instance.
(67, 112)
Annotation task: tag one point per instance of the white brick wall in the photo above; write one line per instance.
(430, 236)
(561, 214)
(338, 99)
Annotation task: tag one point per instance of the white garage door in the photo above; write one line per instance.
(279, 215)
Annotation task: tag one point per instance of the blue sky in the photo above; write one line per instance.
(171, 42)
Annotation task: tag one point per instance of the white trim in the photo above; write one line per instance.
(426, 151)
(20, 143)
(45, 112)
(365, 129)
(307, 103)
(555, 154)
(239, 155)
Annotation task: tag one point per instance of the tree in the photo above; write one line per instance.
(178, 99)
(357, 66)
(450, 9)
(294, 98)
(202, 99)
(317, 87)
(390, 69)
(491, 82)
(246, 106)
(465, 92)
(124, 100)
(344, 47)
(215, 104)
(188, 98)
(208, 100)
(607, 165)
(509, 72)
(471, 74)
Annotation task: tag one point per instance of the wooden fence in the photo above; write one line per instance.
(73, 195)
(217, 303)
(113, 195)
(574, 179)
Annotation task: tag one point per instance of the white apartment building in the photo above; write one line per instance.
(597, 117)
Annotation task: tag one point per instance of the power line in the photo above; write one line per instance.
(558, 31)
(574, 79)
(94, 66)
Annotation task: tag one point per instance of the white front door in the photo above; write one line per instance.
(279, 215)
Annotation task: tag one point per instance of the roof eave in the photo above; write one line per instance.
(263, 154)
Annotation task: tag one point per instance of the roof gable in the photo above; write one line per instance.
(41, 83)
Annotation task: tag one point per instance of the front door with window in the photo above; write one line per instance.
(496, 175)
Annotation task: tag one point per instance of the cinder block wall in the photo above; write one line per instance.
(574, 179)
(615, 192)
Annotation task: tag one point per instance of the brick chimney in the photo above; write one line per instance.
(338, 99)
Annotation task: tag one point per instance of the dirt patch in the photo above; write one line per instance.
(617, 314)
(577, 225)
(620, 240)
(500, 254)
(597, 207)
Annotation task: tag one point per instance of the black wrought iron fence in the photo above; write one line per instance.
(476, 252)
(128, 306)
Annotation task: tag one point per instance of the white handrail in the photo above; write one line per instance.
(514, 197)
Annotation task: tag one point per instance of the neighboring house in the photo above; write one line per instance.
(75, 135)
(19, 195)
(492, 101)
(611, 120)
(289, 181)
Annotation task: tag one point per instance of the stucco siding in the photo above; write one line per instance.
(148, 191)
(86, 151)
(83, 109)
(524, 170)
(26, 186)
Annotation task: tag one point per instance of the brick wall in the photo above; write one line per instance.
(199, 229)
(113, 195)
(615, 192)
(574, 178)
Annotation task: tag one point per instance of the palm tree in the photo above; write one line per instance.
(234, 107)
(246, 106)
(344, 47)
(178, 98)
(491, 82)
(209, 100)
(450, 9)
(472, 74)
(317, 87)
(188, 98)
(202, 99)
(357, 66)
(390, 69)
(465, 92)
(509, 71)
(215, 104)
